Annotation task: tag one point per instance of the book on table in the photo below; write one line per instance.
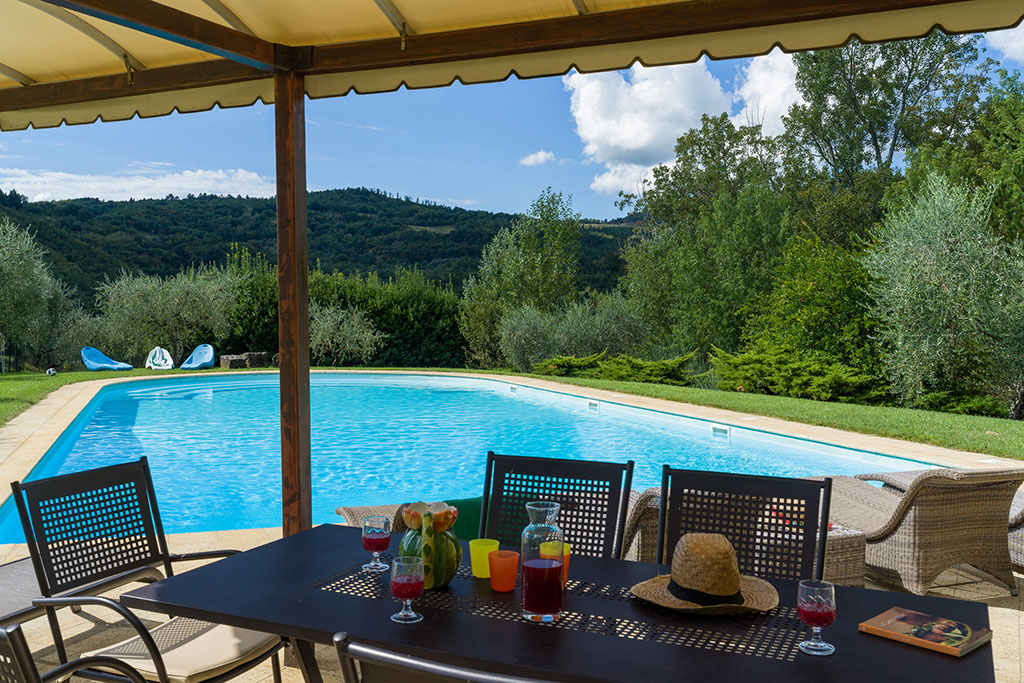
(950, 636)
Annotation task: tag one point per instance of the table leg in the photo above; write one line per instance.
(303, 650)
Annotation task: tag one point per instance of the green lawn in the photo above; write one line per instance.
(979, 434)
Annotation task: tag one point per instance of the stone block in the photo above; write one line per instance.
(232, 362)
(256, 359)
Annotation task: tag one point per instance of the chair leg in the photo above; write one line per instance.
(275, 665)
(58, 639)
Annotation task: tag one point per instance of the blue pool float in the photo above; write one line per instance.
(94, 359)
(201, 357)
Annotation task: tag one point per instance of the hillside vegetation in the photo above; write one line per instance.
(352, 230)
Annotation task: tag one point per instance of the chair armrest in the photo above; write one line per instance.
(87, 662)
(144, 635)
(204, 555)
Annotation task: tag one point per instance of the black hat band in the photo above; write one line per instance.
(701, 598)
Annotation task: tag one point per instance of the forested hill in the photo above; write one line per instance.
(349, 230)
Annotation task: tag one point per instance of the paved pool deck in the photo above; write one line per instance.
(27, 437)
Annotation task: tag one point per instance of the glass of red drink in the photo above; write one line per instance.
(407, 585)
(816, 607)
(376, 539)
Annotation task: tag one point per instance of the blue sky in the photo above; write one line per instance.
(492, 147)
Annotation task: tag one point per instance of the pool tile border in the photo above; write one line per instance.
(27, 437)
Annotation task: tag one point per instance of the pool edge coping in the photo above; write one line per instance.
(28, 436)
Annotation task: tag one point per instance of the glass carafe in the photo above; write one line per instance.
(542, 563)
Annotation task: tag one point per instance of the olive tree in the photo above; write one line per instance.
(948, 295)
(533, 262)
(340, 335)
(180, 312)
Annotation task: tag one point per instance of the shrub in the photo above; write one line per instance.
(339, 336)
(780, 371)
(253, 315)
(606, 323)
(622, 368)
(418, 317)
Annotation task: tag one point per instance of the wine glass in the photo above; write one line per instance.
(376, 539)
(816, 607)
(407, 585)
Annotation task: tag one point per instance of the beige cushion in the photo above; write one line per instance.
(192, 651)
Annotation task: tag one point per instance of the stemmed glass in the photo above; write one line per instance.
(816, 607)
(376, 539)
(407, 585)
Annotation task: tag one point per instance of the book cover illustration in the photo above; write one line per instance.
(950, 636)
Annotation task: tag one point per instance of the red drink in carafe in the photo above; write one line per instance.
(542, 586)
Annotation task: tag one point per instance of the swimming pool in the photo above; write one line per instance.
(213, 442)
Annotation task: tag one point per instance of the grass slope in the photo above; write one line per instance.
(962, 432)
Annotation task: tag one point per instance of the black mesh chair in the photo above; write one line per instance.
(593, 495)
(777, 525)
(16, 665)
(102, 527)
(383, 666)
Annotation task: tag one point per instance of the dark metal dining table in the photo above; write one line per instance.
(309, 586)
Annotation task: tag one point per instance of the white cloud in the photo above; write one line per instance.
(767, 89)
(462, 202)
(138, 182)
(629, 121)
(541, 156)
(1009, 43)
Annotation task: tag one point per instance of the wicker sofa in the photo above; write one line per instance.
(944, 518)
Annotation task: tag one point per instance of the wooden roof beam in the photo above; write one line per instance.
(180, 27)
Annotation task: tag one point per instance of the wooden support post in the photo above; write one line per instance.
(292, 300)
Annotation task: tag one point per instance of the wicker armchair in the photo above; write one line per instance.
(944, 518)
(898, 482)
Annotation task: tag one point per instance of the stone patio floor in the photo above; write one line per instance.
(93, 628)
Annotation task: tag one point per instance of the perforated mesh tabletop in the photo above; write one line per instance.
(309, 586)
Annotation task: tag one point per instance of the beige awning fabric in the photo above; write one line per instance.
(58, 65)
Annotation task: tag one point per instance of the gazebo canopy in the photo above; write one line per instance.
(76, 61)
(73, 61)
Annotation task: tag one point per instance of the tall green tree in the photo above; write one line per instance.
(534, 262)
(715, 222)
(949, 298)
(863, 104)
(991, 154)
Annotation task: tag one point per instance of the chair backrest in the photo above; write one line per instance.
(16, 665)
(593, 497)
(777, 525)
(89, 526)
(379, 666)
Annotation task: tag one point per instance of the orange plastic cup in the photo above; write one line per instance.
(549, 551)
(504, 568)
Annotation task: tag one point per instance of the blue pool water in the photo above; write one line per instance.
(213, 443)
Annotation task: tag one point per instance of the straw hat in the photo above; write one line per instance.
(705, 579)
